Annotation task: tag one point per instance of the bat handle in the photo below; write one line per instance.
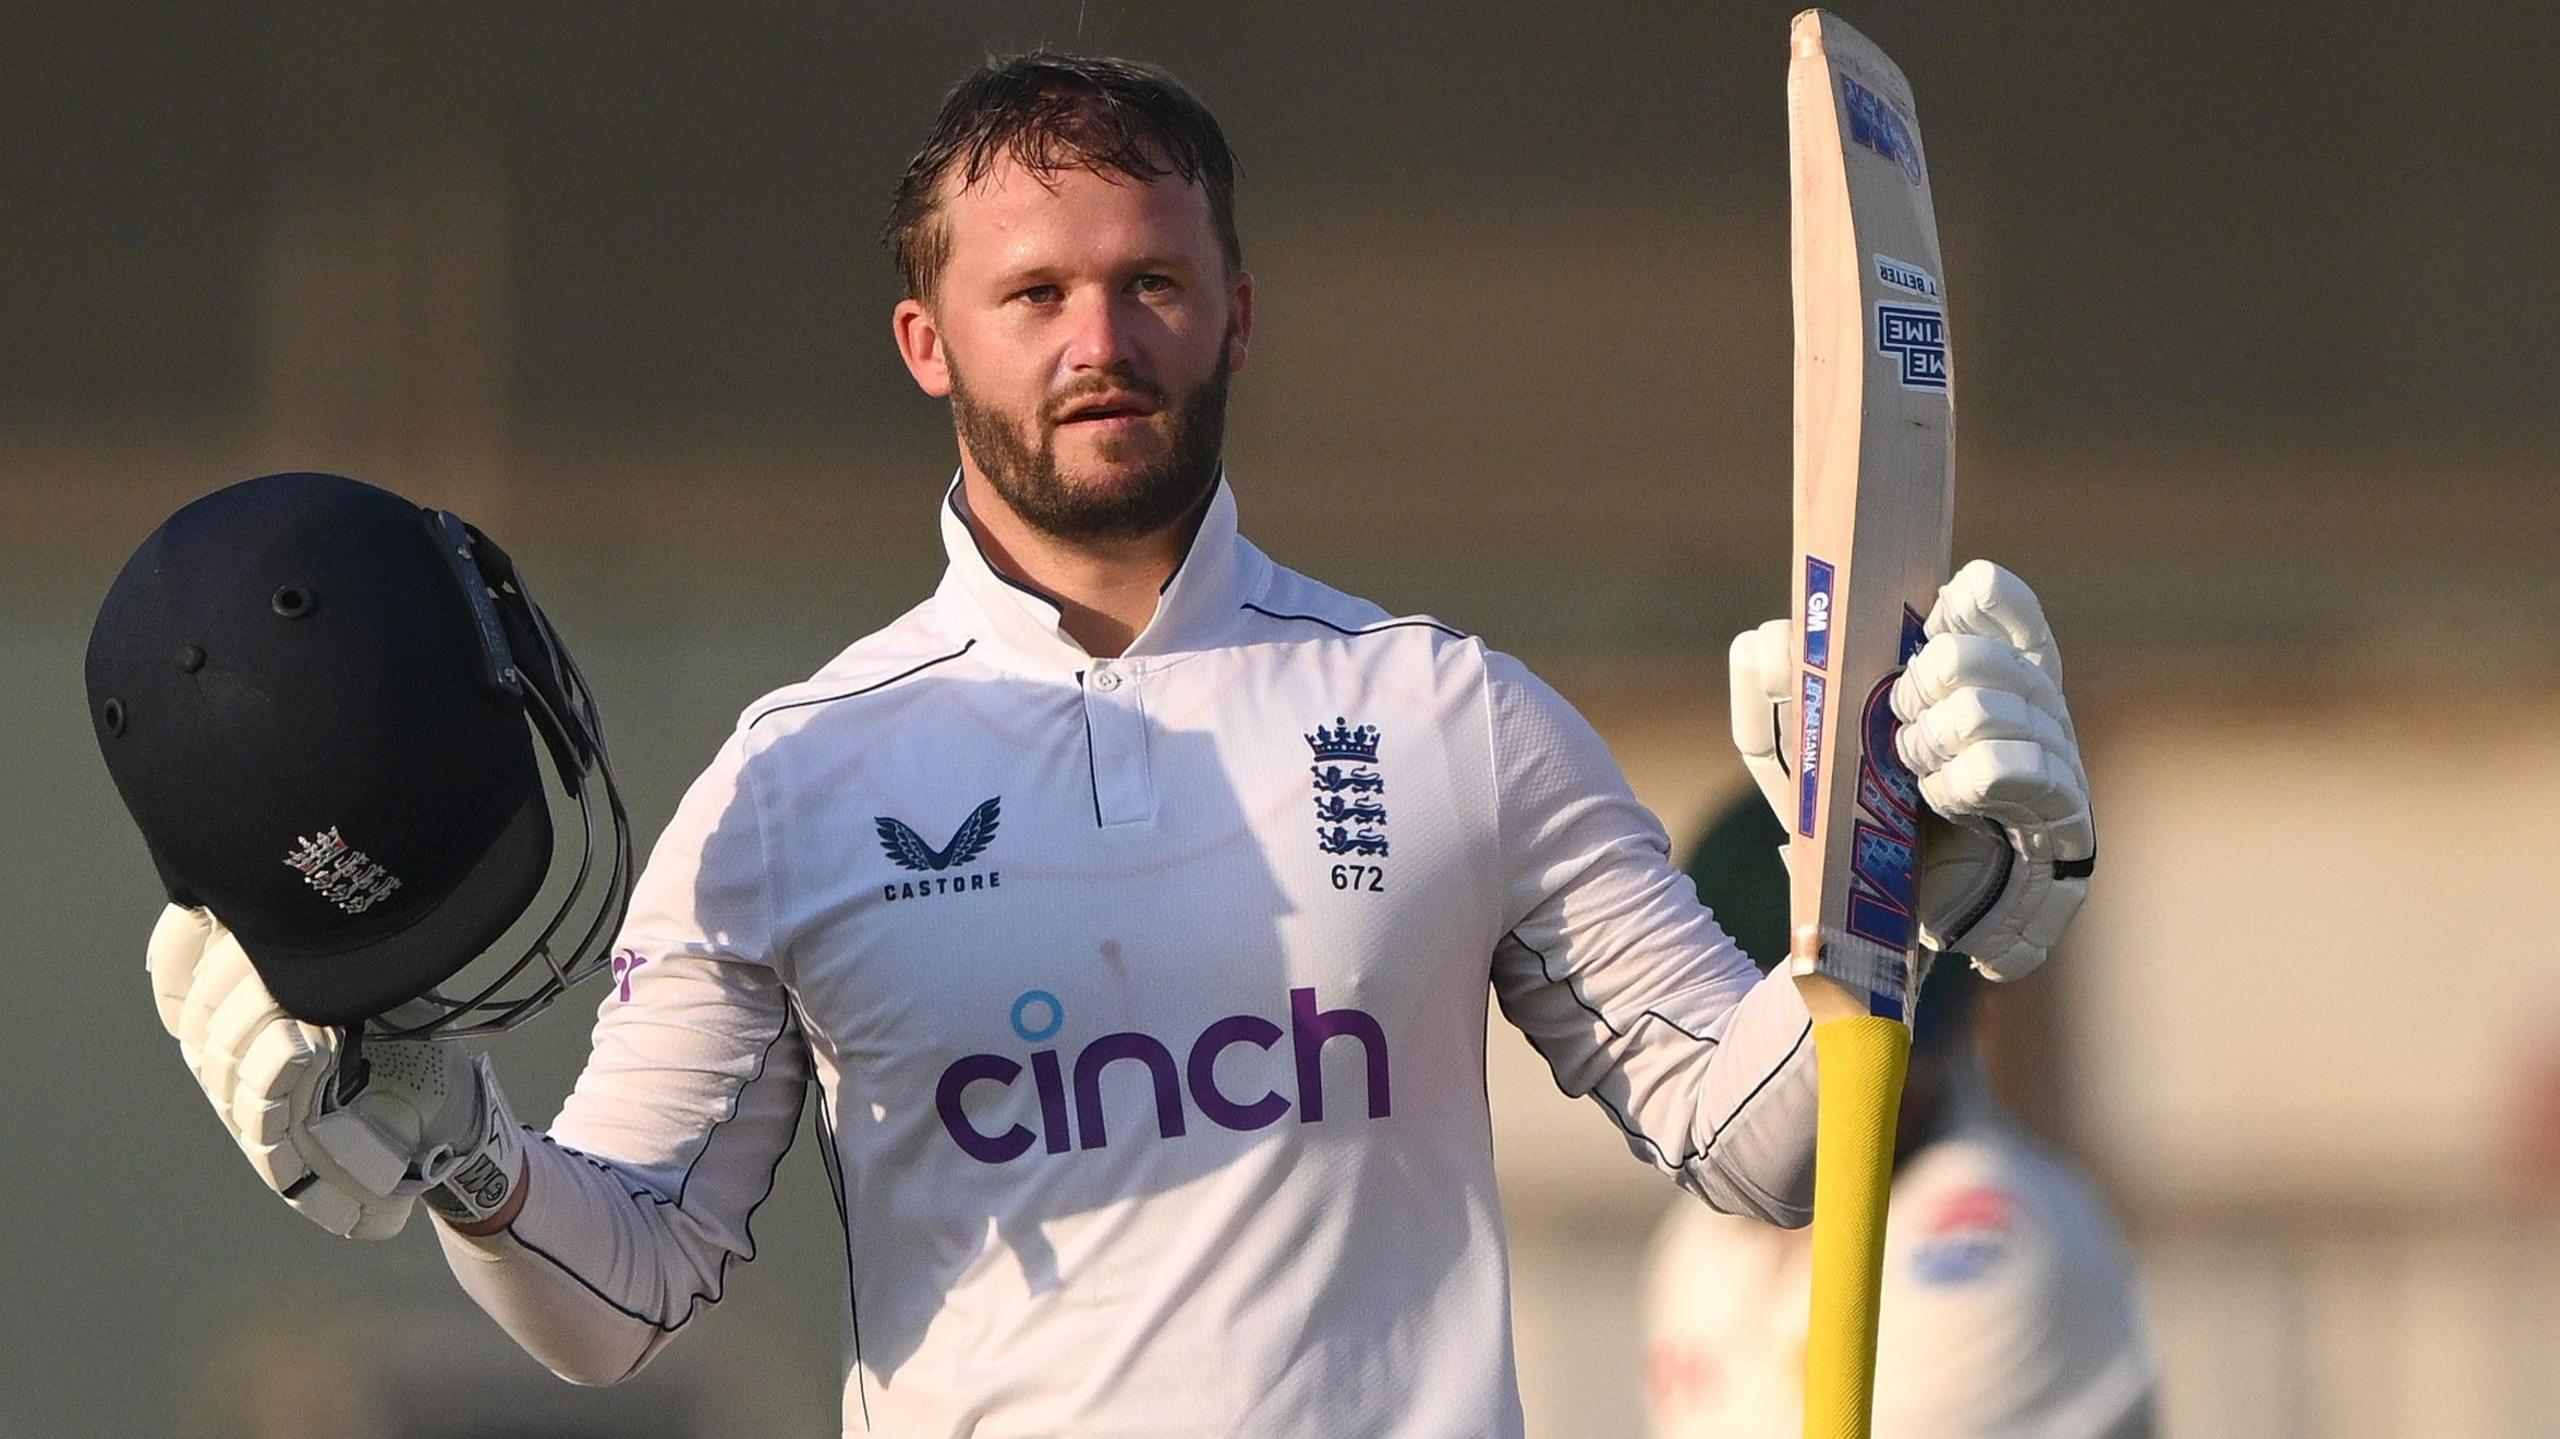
(1860, 1062)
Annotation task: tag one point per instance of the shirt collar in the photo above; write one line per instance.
(1018, 623)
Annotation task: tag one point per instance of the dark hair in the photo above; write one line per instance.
(1051, 112)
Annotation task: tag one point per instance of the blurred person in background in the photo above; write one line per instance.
(2529, 1128)
(2008, 1310)
(1133, 903)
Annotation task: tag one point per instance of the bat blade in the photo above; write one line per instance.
(1874, 511)
(1874, 495)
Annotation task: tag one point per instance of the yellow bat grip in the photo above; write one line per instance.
(1861, 1062)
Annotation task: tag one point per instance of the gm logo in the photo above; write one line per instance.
(1817, 613)
(1917, 336)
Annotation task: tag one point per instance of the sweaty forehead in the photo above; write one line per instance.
(1013, 217)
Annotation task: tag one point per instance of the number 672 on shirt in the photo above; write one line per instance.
(1367, 878)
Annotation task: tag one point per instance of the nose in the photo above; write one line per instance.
(1103, 333)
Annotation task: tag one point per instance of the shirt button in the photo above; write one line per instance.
(1106, 680)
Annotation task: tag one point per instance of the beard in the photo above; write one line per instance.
(1019, 456)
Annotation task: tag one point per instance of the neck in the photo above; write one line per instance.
(1105, 589)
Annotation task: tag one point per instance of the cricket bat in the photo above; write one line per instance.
(1874, 509)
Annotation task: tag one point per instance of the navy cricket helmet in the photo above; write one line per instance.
(323, 705)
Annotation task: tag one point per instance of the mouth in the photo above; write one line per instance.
(1119, 407)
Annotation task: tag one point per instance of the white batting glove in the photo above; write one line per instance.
(429, 1120)
(1986, 732)
(1762, 669)
(2008, 844)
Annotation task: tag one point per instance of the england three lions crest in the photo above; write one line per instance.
(1350, 793)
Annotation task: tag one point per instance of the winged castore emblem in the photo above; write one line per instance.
(908, 848)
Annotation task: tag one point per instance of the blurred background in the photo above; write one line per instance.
(2254, 318)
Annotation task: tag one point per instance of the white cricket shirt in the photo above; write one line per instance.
(2008, 1307)
(1144, 1003)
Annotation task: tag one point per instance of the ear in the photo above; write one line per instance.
(920, 345)
(1239, 320)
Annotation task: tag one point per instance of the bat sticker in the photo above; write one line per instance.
(1809, 754)
(1874, 123)
(1916, 335)
(1882, 900)
(1909, 278)
(1817, 613)
(1888, 832)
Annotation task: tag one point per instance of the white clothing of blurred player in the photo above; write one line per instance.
(1130, 908)
(2009, 1307)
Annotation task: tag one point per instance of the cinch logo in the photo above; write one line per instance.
(1037, 1018)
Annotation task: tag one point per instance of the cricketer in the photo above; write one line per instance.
(1129, 908)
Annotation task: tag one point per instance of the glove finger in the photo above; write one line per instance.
(261, 1118)
(2009, 781)
(1758, 667)
(1950, 663)
(275, 1081)
(331, 1210)
(1984, 599)
(234, 1024)
(228, 1031)
(1755, 729)
(282, 1167)
(218, 972)
(381, 1220)
(1939, 733)
(1761, 676)
(1773, 653)
(2018, 785)
(178, 941)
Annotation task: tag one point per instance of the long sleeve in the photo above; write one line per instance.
(640, 1196)
(1623, 980)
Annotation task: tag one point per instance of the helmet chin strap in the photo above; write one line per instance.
(353, 1068)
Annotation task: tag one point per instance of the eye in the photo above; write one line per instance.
(1152, 285)
(1040, 294)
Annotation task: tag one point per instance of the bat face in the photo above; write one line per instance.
(1873, 498)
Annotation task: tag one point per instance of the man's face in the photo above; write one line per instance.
(1084, 328)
